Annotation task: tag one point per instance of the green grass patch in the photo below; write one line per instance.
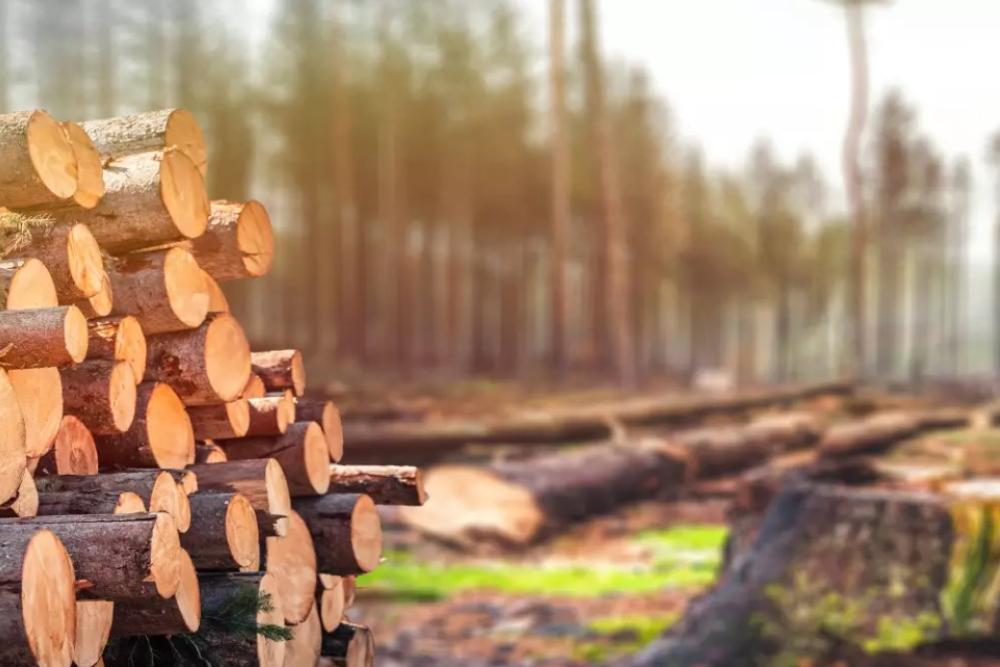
(682, 557)
(621, 635)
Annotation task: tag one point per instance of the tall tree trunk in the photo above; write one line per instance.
(889, 311)
(560, 186)
(615, 305)
(853, 182)
(996, 293)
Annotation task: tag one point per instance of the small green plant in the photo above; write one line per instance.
(16, 230)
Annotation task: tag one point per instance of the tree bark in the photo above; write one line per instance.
(179, 614)
(164, 290)
(271, 415)
(118, 338)
(224, 535)
(149, 131)
(160, 435)
(42, 337)
(238, 243)
(261, 481)
(101, 394)
(221, 420)
(210, 364)
(346, 531)
(71, 255)
(74, 451)
(150, 199)
(386, 485)
(116, 557)
(301, 451)
(280, 370)
(39, 167)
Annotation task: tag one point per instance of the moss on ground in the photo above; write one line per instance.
(681, 557)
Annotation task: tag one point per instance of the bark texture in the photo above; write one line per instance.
(386, 485)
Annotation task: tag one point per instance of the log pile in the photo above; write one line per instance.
(164, 487)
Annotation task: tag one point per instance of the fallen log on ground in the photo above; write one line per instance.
(399, 441)
(386, 485)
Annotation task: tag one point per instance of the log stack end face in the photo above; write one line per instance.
(366, 534)
(185, 286)
(182, 189)
(255, 239)
(52, 154)
(89, 169)
(48, 600)
(165, 565)
(271, 653)
(84, 259)
(227, 357)
(242, 534)
(168, 428)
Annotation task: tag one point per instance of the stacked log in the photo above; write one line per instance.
(149, 458)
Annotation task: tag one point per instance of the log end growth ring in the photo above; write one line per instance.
(187, 292)
(227, 357)
(242, 534)
(184, 132)
(270, 653)
(165, 550)
(31, 287)
(182, 189)
(255, 238)
(188, 596)
(317, 458)
(122, 394)
(279, 500)
(86, 264)
(48, 600)
(12, 440)
(89, 169)
(52, 154)
(366, 534)
(75, 334)
(292, 561)
(75, 451)
(93, 627)
(168, 429)
(130, 346)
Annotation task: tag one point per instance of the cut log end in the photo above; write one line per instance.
(280, 370)
(130, 503)
(188, 596)
(331, 603)
(489, 505)
(255, 238)
(187, 292)
(29, 285)
(184, 132)
(292, 561)
(217, 302)
(13, 458)
(39, 394)
(75, 334)
(93, 627)
(167, 496)
(182, 189)
(119, 338)
(48, 600)
(242, 534)
(101, 303)
(366, 534)
(307, 638)
(74, 451)
(168, 428)
(102, 394)
(52, 154)
(84, 260)
(209, 452)
(279, 500)
(254, 387)
(227, 357)
(271, 653)
(25, 503)
(89, 169)
(326, 413)
(165, 566)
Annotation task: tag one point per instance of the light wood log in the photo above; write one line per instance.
(868, 435)
(101, 394)
(241, 649)
(220, 420)
(118, 338)
(149, 199)
(304, 646)
(238, 243)
(301, 451)
(25, 501)
(93, 629)
(224, 537)
(42, 337)
(350, 585)
(206, 365)
(100, 304)
(71, 255)
(386, 485)
(115, 557)
(160, 435)
(280, 370)
(37, 163)
(217, 301)
(330, 601)
(164, 290)
(101, 494)
(179, 614)
(39, 395)
(73, 453)
(37, 599)
(254, 387)
(209, 452)
(291, 560)
(89, 167)
(149, 131)
(346, 531)
(349, 645)
(326, 413)
(26, 283)
(13, 457)
(270, 415)
(261, 481)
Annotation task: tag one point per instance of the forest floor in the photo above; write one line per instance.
(600, 592)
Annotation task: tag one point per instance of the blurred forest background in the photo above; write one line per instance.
(453, 197)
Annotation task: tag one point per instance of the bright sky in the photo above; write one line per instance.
(735, 70)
